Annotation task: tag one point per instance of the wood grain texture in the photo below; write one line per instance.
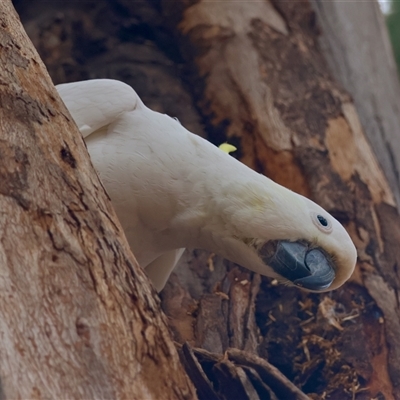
(78, 317)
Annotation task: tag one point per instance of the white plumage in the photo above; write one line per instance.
(172, 189)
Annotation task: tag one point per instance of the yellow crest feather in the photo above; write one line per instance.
(227, 148)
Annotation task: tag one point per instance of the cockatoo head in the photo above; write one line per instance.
(297, 241)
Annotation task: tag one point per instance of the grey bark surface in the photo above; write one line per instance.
(355, 42)
(78, 318)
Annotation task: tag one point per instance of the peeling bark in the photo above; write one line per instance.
(360, 57)
(312, 125)
(78, 317)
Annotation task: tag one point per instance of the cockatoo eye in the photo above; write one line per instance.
(321, 222)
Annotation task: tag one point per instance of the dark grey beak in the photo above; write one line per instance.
(307, 268)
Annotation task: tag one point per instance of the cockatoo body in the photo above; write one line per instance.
(172, 189)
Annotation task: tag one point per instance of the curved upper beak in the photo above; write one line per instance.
(307, 268)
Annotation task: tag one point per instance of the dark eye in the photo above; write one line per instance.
(322, 220)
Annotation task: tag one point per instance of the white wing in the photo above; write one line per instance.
(96, 103)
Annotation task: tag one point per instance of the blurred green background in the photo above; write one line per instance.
(391, 10)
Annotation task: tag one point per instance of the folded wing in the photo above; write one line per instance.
(95, 104)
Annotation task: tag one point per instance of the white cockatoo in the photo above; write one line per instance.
(172, 189)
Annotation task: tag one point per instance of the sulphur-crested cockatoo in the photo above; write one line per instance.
(172, 189)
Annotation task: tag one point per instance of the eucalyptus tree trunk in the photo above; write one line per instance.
(255, 74)
(265, 80)
(78, 317)
(357, 47)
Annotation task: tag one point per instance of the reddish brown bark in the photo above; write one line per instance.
(78, 317)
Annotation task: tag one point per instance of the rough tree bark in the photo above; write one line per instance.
(78, 317)
(295, 124)
(356, 44)
(253, 72)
